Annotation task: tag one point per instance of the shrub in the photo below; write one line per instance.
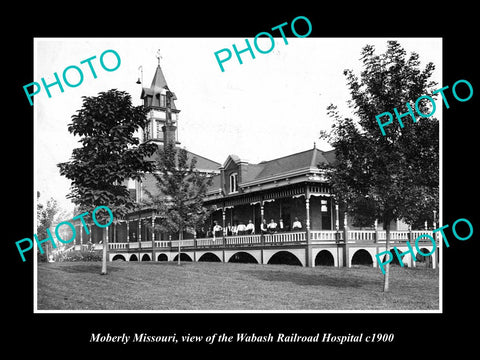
(80, 256)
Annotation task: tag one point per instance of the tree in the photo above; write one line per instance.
(393, 176)
(181, 190)
(110, 154)
(45, 219)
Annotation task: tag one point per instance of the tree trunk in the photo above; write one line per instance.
(105, 246)
(180, 238)
(386, 279)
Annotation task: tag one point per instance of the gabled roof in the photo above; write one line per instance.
(157, 86)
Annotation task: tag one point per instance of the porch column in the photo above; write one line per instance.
(195, 244)
(223, 232)
(345, 236)
(307, 208)
(153, 236)
(262, 235)
(139, 237)
(309, 256)
(128, 235)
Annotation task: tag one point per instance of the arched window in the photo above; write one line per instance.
(233, 183)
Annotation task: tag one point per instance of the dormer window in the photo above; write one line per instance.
(233, 183)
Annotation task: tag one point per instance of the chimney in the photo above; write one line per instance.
(169, 131)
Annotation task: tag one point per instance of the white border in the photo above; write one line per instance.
(440, 248)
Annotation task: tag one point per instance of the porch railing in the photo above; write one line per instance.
(284, 237)
(325, 235)
(316, 237)
(243, 240)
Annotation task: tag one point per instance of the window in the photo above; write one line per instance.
(233, 182)
(159, 130)
(162, 100)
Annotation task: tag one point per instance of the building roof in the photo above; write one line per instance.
(155, 89)
(203, 164)
(289, 166)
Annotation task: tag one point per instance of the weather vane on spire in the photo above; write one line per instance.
(158, 56)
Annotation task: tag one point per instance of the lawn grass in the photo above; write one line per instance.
(231, 286)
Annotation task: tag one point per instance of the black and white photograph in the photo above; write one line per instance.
(268, 181)
(262, 187)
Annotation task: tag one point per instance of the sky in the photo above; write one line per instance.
(267, 107)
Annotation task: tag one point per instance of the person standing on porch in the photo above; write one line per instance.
(234, 230)
(263, 226)
(281, 228)
(272, 226)
(241, 228)
(297, 225)
(217, 230)
(250, 227)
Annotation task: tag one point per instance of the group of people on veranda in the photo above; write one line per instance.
(240, 228)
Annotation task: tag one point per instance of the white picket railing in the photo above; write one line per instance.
(118, 246)
(242, 240)
(162, 243)
(316, 236)
(183, 243)
(325, 235)
(361, 235)
(285, 237)
(204, 242)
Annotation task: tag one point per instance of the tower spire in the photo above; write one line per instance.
(163, 114)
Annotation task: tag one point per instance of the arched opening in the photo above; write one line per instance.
(394, 259)
(118, 257)
(183, 257)
(362, 257)
(145, 257)
(133, 257)
(162, 257)
(324, 258)
(424, 261)
(242, 257)
(285, 258)
(209, 257)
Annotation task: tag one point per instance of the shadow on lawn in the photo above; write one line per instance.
(91, 268)
(311, 279)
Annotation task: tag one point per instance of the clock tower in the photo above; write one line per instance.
(163, 114)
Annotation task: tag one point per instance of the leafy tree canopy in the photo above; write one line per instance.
(394, 176)
(110, 153)
(181, 190)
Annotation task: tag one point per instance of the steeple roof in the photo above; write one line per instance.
(155, 89)
(158, 79)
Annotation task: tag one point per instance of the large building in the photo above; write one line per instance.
(281, 210)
